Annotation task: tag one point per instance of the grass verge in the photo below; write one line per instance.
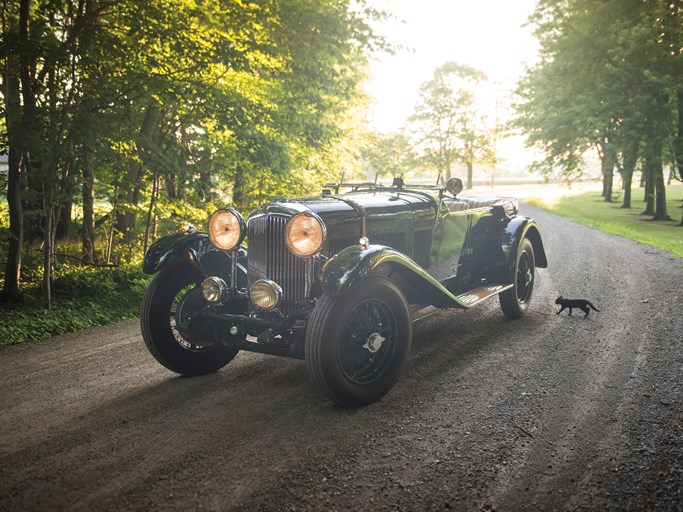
(589, 208)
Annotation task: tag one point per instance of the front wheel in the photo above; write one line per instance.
(515, 301)
(356, 343)
(172, 295)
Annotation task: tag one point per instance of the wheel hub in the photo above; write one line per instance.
(374, 342)
(528, 277)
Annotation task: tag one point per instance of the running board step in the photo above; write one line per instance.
(478, 295)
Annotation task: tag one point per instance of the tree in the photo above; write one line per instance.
(388, 154)
(447, 124)
(13, 52)
(607, 79)
(165, 108)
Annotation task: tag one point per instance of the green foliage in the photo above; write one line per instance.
(162, 111)
(388, 155)
(84, 298)
(448, 125)
(607, 79)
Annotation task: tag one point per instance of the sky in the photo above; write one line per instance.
(486, 34)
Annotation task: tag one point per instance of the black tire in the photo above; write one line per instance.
(515, 301)
(175, 287)
(356, 343)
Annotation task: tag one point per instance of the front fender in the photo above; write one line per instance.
(517, 230)
(179, 247)
(350, 265)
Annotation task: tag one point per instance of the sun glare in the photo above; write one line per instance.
(490, 36)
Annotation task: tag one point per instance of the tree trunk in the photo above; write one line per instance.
(14, 172)
(64, 221)
(30, 134)
(16, 77)
(607, 180)
(656, 190)
(171, 188)
(653, 162)
(607, 160)
(470, 169)
(130, 193)
(63, 224)
(48, 239)
(630, 160)
(648, 174)
(238, 192)
(678, 141)
(16, 226)
(150, 212)
(660, 195)
(88, 235)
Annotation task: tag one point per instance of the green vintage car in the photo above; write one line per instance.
(335, 280)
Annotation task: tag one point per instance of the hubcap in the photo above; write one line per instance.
(525, 276)
(374, 342)
(529, 277)
(186, 302)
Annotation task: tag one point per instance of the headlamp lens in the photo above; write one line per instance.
(304, 234)
(265, 294)
(226, 229)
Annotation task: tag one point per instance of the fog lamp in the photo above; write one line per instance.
(213, 289)
(265, 294)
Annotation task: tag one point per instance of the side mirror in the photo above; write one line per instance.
(454, 186)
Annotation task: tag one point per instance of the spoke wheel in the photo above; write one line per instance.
(515, 301)
(367, 341)
(356, 343)
(171, 297)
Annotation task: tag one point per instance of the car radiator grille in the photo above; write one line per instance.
(269, 258)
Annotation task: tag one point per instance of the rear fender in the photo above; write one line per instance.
(185, 248)
(350, 265)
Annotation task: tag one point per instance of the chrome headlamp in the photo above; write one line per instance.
(265, 294)
(213, 289)
(227, 229)
(305, 234)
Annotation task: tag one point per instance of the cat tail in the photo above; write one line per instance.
(591, 305)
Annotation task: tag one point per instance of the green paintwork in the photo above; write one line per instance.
(387, 211)
(434, 256)
(172, 249)
(448, 241)
(353, 263)
(175, 248)
(517, 230)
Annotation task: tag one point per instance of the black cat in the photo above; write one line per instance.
(582, 304)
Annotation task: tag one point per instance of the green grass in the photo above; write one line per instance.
(590, 209)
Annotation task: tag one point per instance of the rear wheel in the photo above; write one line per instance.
(515, 301)
(356, 343)
(172, 295)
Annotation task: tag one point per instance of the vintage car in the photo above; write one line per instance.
(335, 280)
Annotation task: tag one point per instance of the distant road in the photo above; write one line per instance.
(545, 191)
(545, 413)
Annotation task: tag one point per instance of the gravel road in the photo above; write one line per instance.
(550, 412)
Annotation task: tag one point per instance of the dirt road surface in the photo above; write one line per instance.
(545, 413)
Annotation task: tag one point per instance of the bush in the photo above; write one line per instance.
(83, 297)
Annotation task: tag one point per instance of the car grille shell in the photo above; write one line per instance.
(269, 258)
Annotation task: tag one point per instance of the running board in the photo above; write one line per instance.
(478, 295)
